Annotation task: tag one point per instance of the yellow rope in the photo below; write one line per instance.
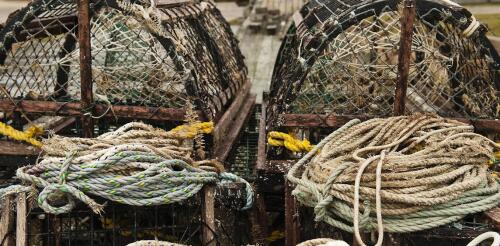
(191, 130)
(279, 139)
(275, 236)
(26, 136)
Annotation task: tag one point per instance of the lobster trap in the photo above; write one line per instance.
(136, 60)
(357, 59)
(122, 224)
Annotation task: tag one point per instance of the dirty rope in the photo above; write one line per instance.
(136, 165)
(405, 173)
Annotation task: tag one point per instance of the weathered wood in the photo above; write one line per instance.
(7, 223)
(259, 220)
(17, 149)
(404, 58)
(21, 221)
(74, 109)
(228, 127)
(493, 215)
(224, 145)
(261, 148)
(334, 121)
(85, 67)
(208, 216)
(292, 225)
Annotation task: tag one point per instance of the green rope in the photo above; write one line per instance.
(131, 174)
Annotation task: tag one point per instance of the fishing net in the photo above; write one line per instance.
(342, 57)
(142, 54)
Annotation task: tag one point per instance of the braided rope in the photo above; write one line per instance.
(26, 136)
(280, 139)
(136, 165)
(421, 172)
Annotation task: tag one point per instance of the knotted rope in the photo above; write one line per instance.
(136, 165)
(280, 139)
(26, 136)
(420, 171)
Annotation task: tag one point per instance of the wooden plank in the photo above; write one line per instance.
(292, 225)
(74, 109)
(333, 121)
(493, 215)
(404, 58)
(261, 148)
(17, 149)
(226, 142)
(259, 220)
(7, 223)
(208, 216)
(224, 127)
(85, 67)
(21, 223)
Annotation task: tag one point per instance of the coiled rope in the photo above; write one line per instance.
(410, 173)
(26, 136)
(136, 165)
(330, 242)
(280, 139)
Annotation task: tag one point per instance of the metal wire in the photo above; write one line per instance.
(342, 60)
(198, 61)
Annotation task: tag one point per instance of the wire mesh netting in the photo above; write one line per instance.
(121, 224)
(342, 60)
(142, 55)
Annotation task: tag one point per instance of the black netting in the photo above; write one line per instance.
(142, 55)
(342, 60)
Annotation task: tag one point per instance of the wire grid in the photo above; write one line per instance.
(346, 64)
(243, 156)
(196, 58)
(118, 225)
(33, 43)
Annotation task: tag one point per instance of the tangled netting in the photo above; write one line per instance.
(136, 165)
(406, 174)
(342, 59)
(168, 55)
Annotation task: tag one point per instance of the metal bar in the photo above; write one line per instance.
(404, 58)
(85, 66)
(334, 121)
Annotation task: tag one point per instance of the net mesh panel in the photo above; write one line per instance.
(342, 60)
(190, 56)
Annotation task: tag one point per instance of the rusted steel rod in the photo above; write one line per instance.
(85, 67)
(404, 58)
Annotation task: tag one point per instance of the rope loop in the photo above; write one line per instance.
(280, 139)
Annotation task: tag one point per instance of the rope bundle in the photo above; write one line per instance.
(405, 173)
(136, 165)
